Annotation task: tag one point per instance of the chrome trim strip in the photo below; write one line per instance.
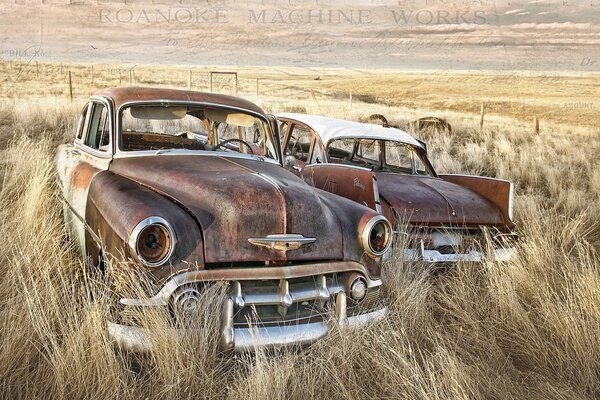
(376, 195)
(477, 176)
(245, 339)
(242, 274)
(86, 226)
(281, 197)
(340, 165)
(204, 153)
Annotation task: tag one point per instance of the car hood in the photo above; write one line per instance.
(427, 200)
(234, 199)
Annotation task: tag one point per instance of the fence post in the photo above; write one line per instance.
(351, 99)
(70, 87)
(130, 77)
(482, 116)
(536, 126)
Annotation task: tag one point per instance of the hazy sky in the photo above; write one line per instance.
(419, 34)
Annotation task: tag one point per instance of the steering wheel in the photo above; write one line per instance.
(224, 142)
(297, 150)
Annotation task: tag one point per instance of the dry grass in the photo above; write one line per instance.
(524, 329)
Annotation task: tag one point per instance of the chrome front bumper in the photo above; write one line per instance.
(433, 256)
(276, 288)
(245, 339)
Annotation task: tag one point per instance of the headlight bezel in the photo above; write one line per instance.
(134, 240)
(365, 237)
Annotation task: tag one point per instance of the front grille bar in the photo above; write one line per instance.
(287, 294)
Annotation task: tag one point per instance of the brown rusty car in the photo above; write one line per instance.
(440, 216)
(189, 187)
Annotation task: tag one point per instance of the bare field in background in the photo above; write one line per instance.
(524, 329)
(563, 103)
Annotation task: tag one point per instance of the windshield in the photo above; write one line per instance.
(191, 127)
(379, 155)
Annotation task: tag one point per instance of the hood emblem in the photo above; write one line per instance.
(282, 242)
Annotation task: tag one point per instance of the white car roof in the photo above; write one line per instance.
(329, 129)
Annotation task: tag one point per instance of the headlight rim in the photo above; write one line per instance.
(135, 236)
(366, 234)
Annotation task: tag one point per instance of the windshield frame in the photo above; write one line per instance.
(417, 151)
(119, 153)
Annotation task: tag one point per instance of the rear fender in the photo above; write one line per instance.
(497, 191)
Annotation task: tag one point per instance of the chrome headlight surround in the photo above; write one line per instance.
(378, 222)
(163, 225)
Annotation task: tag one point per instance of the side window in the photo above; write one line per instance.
(98, 131)
(420, 167)
(341, 151)
(399, 157)
(298, 144)
(83, 121)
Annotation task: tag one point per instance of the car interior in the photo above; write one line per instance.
(194, 128)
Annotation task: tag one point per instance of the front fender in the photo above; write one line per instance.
(353, 218)
(115, 205)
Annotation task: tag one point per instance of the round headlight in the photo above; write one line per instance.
(152, 242)
(376, 237)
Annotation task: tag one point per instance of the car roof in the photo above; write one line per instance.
(330, 128)
(124, 95)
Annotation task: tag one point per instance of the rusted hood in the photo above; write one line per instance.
(425, 200)
(236, 199)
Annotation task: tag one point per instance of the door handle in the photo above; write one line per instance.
(76, 152)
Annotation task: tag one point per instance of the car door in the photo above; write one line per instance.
(78, 163)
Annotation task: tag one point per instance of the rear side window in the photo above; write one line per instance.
(98, 128)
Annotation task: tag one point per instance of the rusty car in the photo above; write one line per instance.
(441, 218)
(189, 188)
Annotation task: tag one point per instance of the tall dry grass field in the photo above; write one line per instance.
(524, 329)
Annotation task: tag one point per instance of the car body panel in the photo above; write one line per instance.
(237, 199)
(426, 200)
(358, 184)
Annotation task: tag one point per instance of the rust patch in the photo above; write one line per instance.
(83, 173)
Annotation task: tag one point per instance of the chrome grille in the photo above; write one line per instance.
(292, 301)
